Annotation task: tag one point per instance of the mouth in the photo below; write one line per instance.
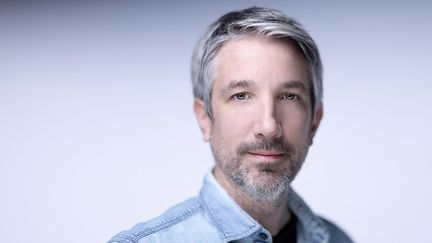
(266, 155)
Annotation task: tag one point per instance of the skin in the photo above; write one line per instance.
(261, 95)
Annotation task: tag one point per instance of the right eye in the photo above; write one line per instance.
(240, 96)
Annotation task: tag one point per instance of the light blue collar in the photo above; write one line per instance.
(233, 223)
(230, 219)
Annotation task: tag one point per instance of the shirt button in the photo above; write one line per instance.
(263, 236)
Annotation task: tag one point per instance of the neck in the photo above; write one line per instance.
(272, 215)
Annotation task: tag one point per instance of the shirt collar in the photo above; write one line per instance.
(229, 218)
(233, 223)
(315, 229)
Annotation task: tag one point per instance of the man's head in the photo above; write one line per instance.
(257, 87)
(254, 21)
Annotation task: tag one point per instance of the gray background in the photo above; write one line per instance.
(97, 131)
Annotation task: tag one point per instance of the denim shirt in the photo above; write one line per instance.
(214, 216)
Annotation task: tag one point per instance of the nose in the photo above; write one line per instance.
(267, 124)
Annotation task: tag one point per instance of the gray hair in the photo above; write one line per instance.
(253, 21)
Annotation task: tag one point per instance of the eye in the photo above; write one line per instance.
(240, 96)
(290, 96)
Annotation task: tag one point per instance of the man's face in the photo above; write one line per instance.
(262, 124)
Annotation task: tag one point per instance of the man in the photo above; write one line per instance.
(257, 84)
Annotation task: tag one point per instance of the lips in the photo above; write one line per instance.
(267, 155)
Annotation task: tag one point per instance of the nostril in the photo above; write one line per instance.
(268, 128)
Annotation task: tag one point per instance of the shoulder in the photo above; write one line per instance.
(176, 220)
(337, 235)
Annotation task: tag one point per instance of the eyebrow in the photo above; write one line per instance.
(235, 84)
(294, 84)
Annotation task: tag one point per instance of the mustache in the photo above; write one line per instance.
(275, 145)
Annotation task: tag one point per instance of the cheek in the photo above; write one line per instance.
(228, 120)
(230, 130)
(296, 126)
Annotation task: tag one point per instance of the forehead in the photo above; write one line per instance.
(261, 60)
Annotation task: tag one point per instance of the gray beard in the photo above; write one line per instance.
(269, 184)
(259, 191)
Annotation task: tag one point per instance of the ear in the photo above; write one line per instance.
(203, 118)
(316, 121)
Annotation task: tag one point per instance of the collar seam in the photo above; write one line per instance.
(169, 222)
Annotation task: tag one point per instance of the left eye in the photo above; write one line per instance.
(289, 96)
(240, 96)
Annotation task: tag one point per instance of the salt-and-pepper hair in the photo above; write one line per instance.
(255, 21)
